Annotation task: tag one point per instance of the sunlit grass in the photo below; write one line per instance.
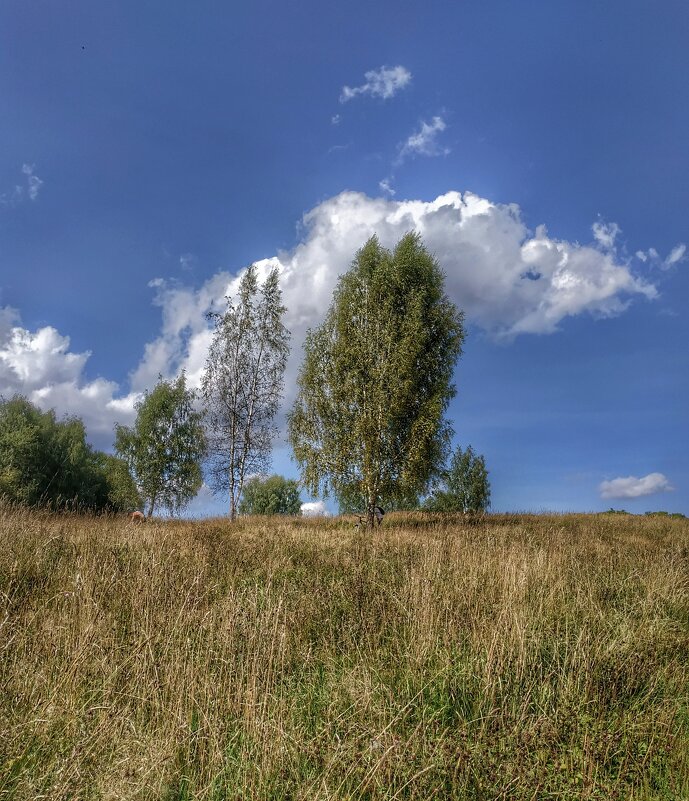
(515, 657)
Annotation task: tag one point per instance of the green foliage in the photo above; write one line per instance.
(165, 447)
(368, 423)
(274, 495)
(677, 515)
(47, 462)
(122, 494)
(465, 486)
(242, 384)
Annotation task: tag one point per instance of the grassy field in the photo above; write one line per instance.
(519, 657)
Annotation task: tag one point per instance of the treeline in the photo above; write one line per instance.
(368, 425)
(47, 462)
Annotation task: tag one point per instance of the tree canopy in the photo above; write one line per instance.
(464, 487)
(47, 462)
(242, 383)
(165, 446)
(369, 418)
(274, 495)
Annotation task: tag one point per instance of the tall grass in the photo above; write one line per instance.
(518, 657)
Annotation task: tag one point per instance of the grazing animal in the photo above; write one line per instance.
(137, 517)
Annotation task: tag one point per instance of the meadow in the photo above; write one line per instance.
(508, 657)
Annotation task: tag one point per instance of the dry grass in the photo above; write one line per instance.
(520, 657)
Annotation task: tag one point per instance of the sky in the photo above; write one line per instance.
(149, 152)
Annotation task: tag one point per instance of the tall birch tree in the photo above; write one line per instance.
(369, 418)
(242, 384)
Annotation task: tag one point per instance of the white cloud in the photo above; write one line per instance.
(20, 193)
(651, 256)
(425, 141)
(605, 234)
(676, 255)
(39, 365)
(335, 119)
(34, 183)
(314, 509)
(188, 262)
(384, 82)
(386, 187)
(508, 280)
(633, 487)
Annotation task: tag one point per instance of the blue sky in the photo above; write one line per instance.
(150, 151)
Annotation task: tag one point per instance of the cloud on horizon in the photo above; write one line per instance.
(40, 366)
(633, 487)
(314, 509)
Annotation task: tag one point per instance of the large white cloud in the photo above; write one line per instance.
(508, 280)
(633, 487)
(39, 365)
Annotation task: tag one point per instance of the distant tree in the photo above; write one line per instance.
(47, 462)
(464, 486)
(274, 495)
(164, 448)
(242, 383)
(369, 421)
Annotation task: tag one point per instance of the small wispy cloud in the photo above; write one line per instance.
(384, 82)
(34, 183)
(633, 487)
(20, 193)
(677, 254)
(651, 256)
(425, 141)
(605, 234)
(336, 119)
(188, 262)
(386, 186)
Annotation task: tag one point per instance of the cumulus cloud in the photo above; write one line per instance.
(425, 141)
(384, 82)
(508, 280)
(314, 509)
(633, 487)
(40, 365)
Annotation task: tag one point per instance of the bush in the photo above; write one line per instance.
(274, 495)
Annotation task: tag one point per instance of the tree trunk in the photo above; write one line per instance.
(370, 511)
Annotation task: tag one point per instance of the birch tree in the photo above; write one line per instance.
(242, 384)
(376, 380)
(165, 446)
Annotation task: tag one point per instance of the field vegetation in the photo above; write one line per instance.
(506, 657)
